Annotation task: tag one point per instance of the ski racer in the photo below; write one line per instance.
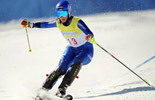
(79, 51)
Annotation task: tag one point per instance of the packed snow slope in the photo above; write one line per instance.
(130, 36)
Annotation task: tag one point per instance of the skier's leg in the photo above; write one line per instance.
(69, 78)
(83, 58)
(66, 59)
(49, 83)
(64, 64)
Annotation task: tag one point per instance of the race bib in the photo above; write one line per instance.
(74, 39)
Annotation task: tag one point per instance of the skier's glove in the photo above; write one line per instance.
(26, 23)
(90, 38)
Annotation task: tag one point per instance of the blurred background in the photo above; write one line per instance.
(16, 9)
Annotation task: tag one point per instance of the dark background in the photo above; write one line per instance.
(16, 9)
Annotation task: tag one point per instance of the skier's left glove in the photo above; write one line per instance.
(26, 23)
(90, 38)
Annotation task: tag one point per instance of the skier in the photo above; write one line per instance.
(79, 51)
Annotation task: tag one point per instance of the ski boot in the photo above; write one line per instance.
(68, 79)
(61, 92)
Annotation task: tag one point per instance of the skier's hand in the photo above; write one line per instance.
(88, 37)
(26, 23)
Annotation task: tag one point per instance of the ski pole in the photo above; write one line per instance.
(93, 41)
(28, 40)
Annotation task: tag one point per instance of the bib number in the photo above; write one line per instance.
(72, 41)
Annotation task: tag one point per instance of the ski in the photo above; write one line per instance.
(67, 97)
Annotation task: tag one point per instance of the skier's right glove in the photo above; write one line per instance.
(26, 23)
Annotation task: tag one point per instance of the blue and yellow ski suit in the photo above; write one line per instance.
(78, 50)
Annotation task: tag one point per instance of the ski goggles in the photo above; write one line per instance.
(62, 13)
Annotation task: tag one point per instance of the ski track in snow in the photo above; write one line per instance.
(130, 36)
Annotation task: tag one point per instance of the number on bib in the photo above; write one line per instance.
(72, 41)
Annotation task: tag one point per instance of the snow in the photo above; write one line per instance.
(130, 36)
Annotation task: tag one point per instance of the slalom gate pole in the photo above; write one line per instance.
(93, 41)
(28, 40)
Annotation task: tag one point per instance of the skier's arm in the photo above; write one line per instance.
(89, 35)
(84, 28)
(44, 24)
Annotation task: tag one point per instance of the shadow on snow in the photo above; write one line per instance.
(124, 91)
